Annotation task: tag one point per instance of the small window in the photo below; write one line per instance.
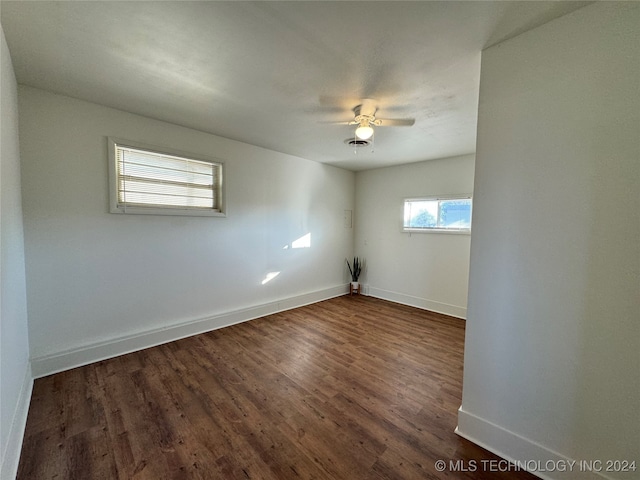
(149, 180)
(450, 214)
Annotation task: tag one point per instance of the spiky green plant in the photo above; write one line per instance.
(356, 270)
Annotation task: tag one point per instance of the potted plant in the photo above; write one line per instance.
(355, 272)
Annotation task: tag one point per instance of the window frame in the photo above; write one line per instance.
(116, 207)
(427, 198)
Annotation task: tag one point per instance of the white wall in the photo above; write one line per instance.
(553, 331)
(100, 283)
(426, 270)
(15, 373)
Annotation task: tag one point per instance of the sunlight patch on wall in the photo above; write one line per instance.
(270, 276)
(302, 242)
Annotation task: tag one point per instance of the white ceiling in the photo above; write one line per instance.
(270, 73)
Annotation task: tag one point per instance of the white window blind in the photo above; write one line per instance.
(148, 181)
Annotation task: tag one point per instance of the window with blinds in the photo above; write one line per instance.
(152, 181)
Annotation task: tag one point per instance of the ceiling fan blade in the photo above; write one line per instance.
(395, 122)
(339, 123)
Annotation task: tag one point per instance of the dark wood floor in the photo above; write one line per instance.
(349, 388)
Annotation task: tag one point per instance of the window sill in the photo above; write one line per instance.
(436, 230)
(167, 211)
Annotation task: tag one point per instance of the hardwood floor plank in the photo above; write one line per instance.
(353, 387)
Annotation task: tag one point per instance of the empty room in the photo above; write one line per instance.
(320, 240)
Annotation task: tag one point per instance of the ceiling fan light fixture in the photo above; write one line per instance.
(364, 132)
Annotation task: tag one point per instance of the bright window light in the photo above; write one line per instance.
(446, 214)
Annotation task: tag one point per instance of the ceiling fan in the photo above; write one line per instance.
(365, 118)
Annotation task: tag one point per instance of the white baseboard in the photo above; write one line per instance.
(94, 352)
(11, 454)
(531, 456)
(423, 303)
